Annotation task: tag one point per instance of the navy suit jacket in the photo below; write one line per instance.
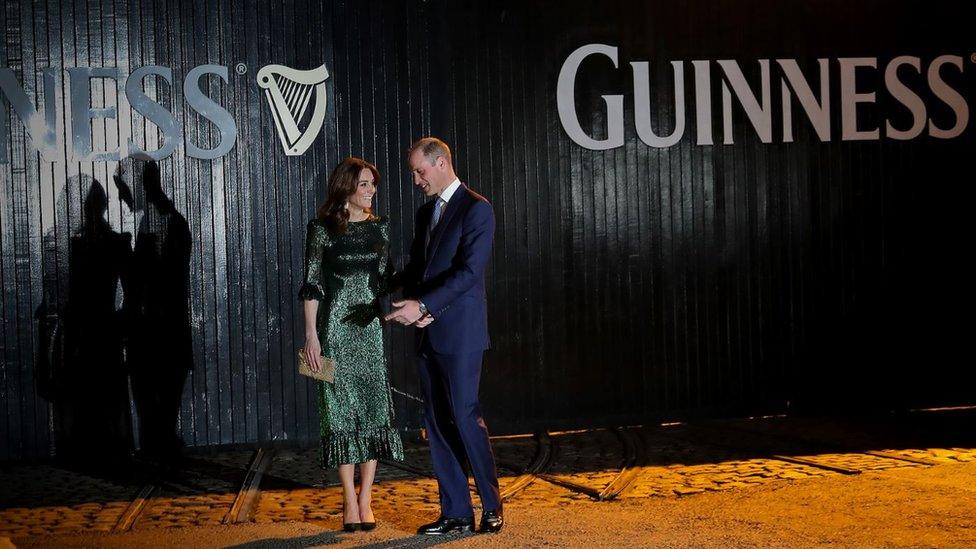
(448, 273)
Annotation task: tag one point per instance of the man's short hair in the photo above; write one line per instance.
(432, 147)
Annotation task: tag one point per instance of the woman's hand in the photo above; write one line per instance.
(313, 352)
(312, 349)
(362, 314)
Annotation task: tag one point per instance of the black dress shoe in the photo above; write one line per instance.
(367, 526)
(491, 521)
(446, 525)
(351, 526)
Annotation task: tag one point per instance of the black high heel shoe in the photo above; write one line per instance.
(350, 526)
(367, 526)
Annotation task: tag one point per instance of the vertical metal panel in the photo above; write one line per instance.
(13, 446)
(7, 427)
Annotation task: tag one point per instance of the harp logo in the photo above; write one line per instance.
(289, 92)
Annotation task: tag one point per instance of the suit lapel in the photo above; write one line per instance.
(452, 206)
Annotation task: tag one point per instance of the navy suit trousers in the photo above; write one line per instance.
(456, 431)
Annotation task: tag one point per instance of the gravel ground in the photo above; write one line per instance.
(904, 507)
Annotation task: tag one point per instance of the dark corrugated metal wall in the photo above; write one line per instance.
(625, 285)
(643, 282)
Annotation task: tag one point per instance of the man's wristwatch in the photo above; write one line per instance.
(423, 309)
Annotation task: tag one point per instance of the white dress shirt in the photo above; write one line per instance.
(441, 205)
(447, 193)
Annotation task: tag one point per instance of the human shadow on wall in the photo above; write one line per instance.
(159, 350)
(81, 368)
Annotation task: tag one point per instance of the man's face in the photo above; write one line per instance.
(429, 178)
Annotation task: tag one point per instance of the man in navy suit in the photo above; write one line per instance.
(445, 282)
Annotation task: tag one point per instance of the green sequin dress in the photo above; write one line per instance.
(348, 274)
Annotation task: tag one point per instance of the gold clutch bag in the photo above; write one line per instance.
(327, 373)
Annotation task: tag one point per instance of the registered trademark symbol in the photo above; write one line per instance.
(241, 68)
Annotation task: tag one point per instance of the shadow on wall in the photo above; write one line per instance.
(115, 316)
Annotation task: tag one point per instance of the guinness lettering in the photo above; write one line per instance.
(758, 107)
(43, 132)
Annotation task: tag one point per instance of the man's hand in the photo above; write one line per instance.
(407, 313)
(423, 322)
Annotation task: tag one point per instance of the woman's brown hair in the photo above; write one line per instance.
(342, 184)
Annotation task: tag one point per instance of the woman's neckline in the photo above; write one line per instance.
(368, 219)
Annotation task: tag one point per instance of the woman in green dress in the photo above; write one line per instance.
(347, 269)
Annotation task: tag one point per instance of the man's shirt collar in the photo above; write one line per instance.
(447, 193)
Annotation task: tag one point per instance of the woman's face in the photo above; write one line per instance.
(362, 197)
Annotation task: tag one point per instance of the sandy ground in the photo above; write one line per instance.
(914, 507)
